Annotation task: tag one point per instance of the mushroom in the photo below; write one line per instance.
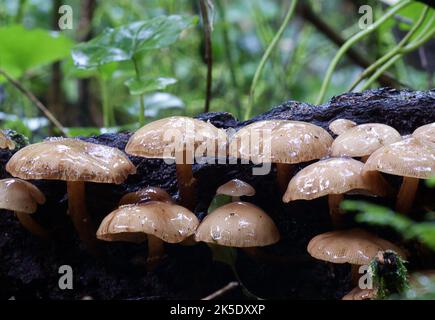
(23, 198)
(155, 221)
(75, 162)
(177, 138)
(333, 177)
(340, 126)
(238, 224)
(363, 140)
(145, 195)
(290, 142)
(360, 294)
(6, 142)
(426, 132)
(236, 188)
(355, 246)
(413, 159)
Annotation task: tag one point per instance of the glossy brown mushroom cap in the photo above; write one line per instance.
(236, 188)
(333, 176)
(290, 141)
(6, 142)
(363, 140)
(238, 224)
(340, 126)
(71, 160)
(354, 246)
(164, 138)
(426, 132)
(19, 195)
(169, 222)
(411, 157)
(145, 195)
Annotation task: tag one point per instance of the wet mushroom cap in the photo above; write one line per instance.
(290, 141)
(144, 195)
(340, 126)
(19, 195)
(411, 157)
(6, 142)
(333, 176)
(354, 246)
(363, 140)
(168, 222)
(160, 139)
(71, 160)
(238, 224)
(236, 188)
(426, 132)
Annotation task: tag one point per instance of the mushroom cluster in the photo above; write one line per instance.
(354, 162)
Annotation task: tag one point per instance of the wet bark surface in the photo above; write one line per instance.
(29, 266)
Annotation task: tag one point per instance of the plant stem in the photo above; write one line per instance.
(141, 97)
(266, 55)
(105, 103)
(208, 55)
(392, 52)
(354, 39)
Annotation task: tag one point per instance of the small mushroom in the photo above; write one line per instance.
(6, 142)
(23, 198)
(334, 177)
(360, 294)
(238, 224)
(426, 132)
(236, 188)
(355, 246)
(413, 159)
(75, 162)
(363, 140)
(145, 195)
(340, 126)
(291, 142)
(177, 138)
(155, 221)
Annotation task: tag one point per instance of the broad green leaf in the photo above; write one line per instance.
(425, 232)
(22, 49)
(144, 85)
(126, 41)
(227, 255)
(430, 182)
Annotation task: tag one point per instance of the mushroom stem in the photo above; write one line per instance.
(31, 225)
(186, 183)
(334, 201)
(156, 251)
(79, 215)
(406, 194)
(283, 173)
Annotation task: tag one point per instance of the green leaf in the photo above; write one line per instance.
(430, 182)
(22, 49)
(126, 41)
(227, 255)
(425, 232)
(147, 84)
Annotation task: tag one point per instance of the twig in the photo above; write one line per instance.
(308, 14)
(230, 286)
(266, 55)
(354, 39)
(208, 56)
(36, 102)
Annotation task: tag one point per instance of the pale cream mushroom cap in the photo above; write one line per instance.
(144, 195)
(6, 142)
(411, 157)
(363, 140)
(333, 176)
(354, 246)
(236, 188)
(168, 222)
(290, 142)
(238, 224)
(71, 160)
(340, 126)
(164, 138)
(19, 195)
(426, 132)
